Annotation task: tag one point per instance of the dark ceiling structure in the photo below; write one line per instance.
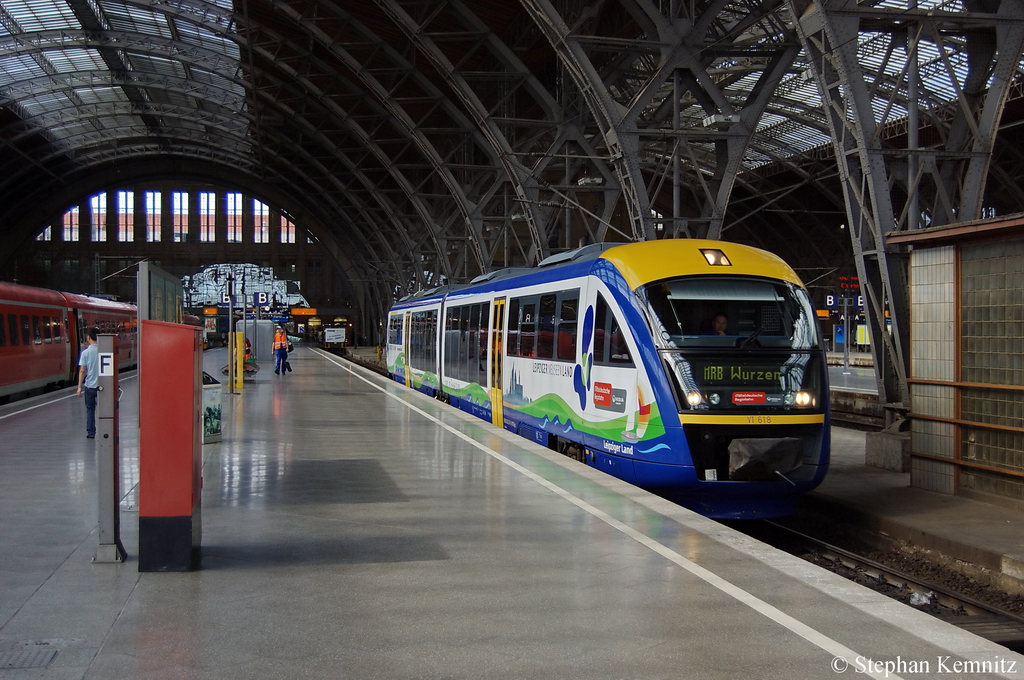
(425, 143)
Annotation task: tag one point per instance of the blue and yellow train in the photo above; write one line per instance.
(694, 369)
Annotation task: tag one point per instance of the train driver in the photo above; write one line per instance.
(720, 324)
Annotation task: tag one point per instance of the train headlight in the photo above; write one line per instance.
(694, 398)
(804, 398)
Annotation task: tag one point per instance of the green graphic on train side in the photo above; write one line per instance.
(398, 365)
(556, 410)
(425, 379)
(474, 392)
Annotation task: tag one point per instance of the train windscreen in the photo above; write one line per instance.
(735, 343)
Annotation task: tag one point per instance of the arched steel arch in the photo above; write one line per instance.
(941, 182)
(50, 202)
(437, 140)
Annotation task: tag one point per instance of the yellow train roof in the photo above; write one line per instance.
(648, 261)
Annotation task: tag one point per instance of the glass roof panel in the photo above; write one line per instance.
(74, 59)
(792, 123)
(130, 18)
(75, 127)
(46, 101)
(945, 5)
(18, 67)
(199, 35)
(150, 63)
(101, 95)
(41, 15)
(53, 107)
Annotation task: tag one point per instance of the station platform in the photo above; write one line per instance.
(353, 528)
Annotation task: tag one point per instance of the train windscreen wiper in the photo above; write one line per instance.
(750, 339)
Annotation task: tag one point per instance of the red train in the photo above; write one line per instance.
(42, 332)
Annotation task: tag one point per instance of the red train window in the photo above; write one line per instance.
(57, 325)
(26, 330)
(12, 328)
(47, 333)
(37, 332)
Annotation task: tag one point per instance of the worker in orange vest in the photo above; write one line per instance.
(281, 351)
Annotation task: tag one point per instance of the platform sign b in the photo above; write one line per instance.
(261, 299)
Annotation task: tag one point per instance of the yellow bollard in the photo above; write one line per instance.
(239, 359)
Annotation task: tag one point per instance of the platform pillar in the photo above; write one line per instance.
(108, 453)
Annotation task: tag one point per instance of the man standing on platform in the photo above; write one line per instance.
(280, 350)
(88, 380)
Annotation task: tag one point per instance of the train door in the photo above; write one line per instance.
(407, 347)
(65, 324)
(75, 324)
(80, 331)
(497, 361)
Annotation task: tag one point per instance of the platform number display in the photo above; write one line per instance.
(261, 299)
(834, 301)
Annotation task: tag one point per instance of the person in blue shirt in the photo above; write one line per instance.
(88, 380)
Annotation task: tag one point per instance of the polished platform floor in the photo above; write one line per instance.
(356, 529)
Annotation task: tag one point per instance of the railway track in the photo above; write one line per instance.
(982, 619)
(857, 421)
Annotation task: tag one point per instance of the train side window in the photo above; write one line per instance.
(431, 341)
(618, 350)
(565, 347)
(423, 336)
(471, 343)
(395, 330)
(546, 334)
(512, 344)
(528, 330)
(464, 340)
(3, 332)
(26, 330)
(482, 344)
(37, 332)
(12, 328)
(600, 335)
(47, 331)
(57, 325)
(614, 350)
(451, 341)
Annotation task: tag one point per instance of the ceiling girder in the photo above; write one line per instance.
(447, 139)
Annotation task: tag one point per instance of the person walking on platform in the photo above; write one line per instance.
(280, 351)
(88, 381)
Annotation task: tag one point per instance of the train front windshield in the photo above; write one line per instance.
(735, 343)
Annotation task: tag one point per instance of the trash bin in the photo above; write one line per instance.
(211, 408)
